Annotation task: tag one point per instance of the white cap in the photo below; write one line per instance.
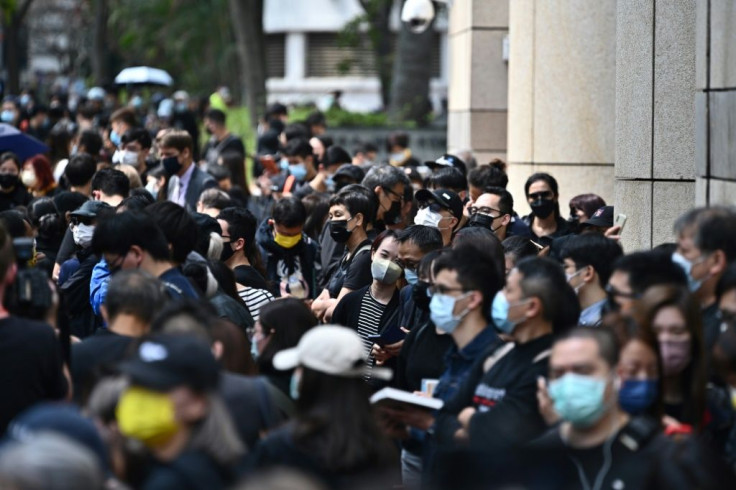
(180, 95)
(330, 349)
(96, 93)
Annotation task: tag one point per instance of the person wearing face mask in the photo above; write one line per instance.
(76, 273)
(706, 245)
(38, 177)
(545, 222)
(465, 281)
(441, 209)
(399, 154)
(12, 192)
(494, 209)
(135, 146)
(221, 139)
(350, 212)
(121, 121)
(289, 255)
(588, 262)
(10, 113)
(186, 181)
(373, 309)
(301, 168)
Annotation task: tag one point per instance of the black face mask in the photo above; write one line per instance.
(420, 296)
(393, 214)
(339, 230)
(171, 165)
(8, 181)
(227, 252)
(483, 221)
(542, 208)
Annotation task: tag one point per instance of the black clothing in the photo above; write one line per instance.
(177, 285)
(250, 405)
(19, 196)
(74, 297)
(192, 470)
(347, 310)
(30, 366)
(231, 310)
(711, 328)
(422, 357)
(229, 144)
(67, 248)
(504, 395)
(411, 315)
(354, 270)
(248, 276)
(297, 262)
(188, 122)
(563, 228)
(330, 253)
(102, 350)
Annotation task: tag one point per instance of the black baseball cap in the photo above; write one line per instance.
(166, 361)
(447, 160)
(350, 171)
(445, 198)
(603, 217)
(90, 209)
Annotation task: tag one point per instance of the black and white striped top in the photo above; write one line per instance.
(369, 320)
(254, 299)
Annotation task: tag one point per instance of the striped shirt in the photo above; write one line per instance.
(254, 299)
(369, 321)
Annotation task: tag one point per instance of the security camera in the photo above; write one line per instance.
(417, 14)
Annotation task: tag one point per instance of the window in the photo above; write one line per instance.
(275, 55)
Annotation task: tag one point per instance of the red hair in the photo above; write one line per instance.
(42, 167)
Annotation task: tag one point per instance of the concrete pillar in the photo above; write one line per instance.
(655, 117)
(296, 56)
(477, 95)
(562, 96)
(715, 102)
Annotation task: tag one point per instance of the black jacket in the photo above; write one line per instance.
(347, 311)
(74, 297)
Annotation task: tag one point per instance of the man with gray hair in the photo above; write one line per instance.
(133, 299)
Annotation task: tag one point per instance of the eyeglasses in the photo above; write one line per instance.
(440, 289)
(486, 210)
(395, 194)
(433, 206)
(613, 292)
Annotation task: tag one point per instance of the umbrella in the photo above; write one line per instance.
(23, 145)
(144, 75)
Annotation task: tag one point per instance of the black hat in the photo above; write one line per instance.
(603, 217)
(164, 362)
(350, 171)
(90, 209)
(445, 198)
(447, 160)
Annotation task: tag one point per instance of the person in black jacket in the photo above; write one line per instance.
(288, 253)
(374, 308)
(12, 192)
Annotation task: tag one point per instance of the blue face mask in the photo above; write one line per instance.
(500, 313)
(254, 349)
(283, 164)
(299, 171)
(411, 276)
(114, 138)
(7, 116)
(330, 184)
(687, 267)
(441, 309)
(296, 380)
(637, 395)
(578, 399)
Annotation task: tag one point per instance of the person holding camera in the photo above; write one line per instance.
(31, 366)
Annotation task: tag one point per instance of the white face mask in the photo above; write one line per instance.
(117, 157)
(82, 235)
(129, 158)
(428, 217)
(28, 177)
(152, 187)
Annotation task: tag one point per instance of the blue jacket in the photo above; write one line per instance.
(98, 285)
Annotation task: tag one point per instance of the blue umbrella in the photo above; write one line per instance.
(23, 145)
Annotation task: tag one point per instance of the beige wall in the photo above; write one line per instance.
(562, 96)
(478, 78)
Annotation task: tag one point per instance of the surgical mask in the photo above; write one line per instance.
(117, 157)
(420, 295)
(428, 217)
(330, 184)
(675, 356)
(296, 380)
(115, 138)
(687, 267)
(283, 164)
(227, 252)
(8, 181)
(152, 187)
(441, 308)
(25, 100)
(542, 208)
(411, 276)
(397, 158)
(637, 395)
(579, 399)
(286, 241)
(181, 107)
(339, 230)
(483, 220)
(385, 271)
(500, 313)
(82, 234)
(393, 214)
(146, 415)
(29, 179)
(129, 158)
(75, 150)
(7, 116)
(254, 348)
(172, 166)
(569, 277)
(299, 171)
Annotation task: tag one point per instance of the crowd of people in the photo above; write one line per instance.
(326, 319)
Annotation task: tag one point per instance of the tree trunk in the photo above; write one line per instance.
(247, 22)
(411, 74)
(100, 54)
(12, 42)
(378, 13)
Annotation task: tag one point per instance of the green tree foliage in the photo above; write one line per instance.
(191, 39)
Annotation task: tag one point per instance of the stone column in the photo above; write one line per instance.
(562, 96)
(715, 101)
(655, 117)
(478, 78)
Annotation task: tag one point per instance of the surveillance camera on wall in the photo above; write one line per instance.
(417, 14)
